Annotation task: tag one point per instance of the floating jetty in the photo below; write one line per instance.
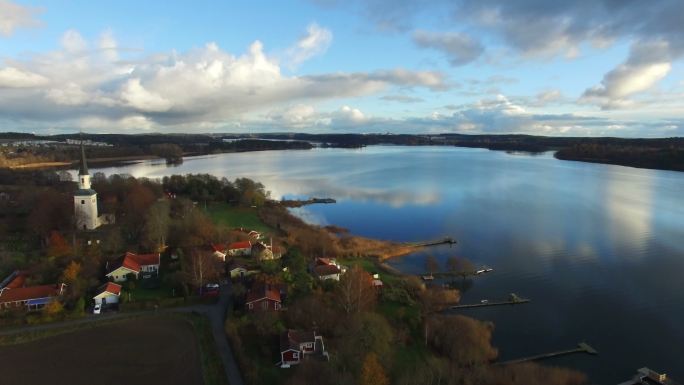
(513, 299)
(449, 274)
(437, 242)
(582, 347)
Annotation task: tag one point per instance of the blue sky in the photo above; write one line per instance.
(584, 68)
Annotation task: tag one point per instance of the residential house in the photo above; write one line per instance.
(263, 297)
(327, 268)
(129, 263)
(262, 251)
(240, 249)
(237, 269)
(296, 345)
(14, 280)
(31, 297)
(108, 294)
(219, 251)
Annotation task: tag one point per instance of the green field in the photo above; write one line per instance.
(234, 217)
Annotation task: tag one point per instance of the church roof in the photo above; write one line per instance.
(83, 170)
(87, 193)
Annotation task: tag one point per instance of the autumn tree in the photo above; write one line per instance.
(157, 224)
(138, 200)
(58, 246)
(355, 291)
(465, 341)
(50, 211)
(372, 372)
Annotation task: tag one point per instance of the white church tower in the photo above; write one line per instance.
(85, 199)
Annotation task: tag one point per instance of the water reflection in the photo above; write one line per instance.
(596, 247)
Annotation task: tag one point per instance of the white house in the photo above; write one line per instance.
(108, 294)
(240, 249)
(327, 268)
(147, 264)
(219, 251)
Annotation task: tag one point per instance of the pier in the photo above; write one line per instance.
(437, 242)
(452, 274)
(582, 347)
(513, 299)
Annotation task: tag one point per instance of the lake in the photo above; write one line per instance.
(599, 249)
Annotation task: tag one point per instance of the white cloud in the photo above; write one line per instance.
(203, 87)
(73, 42)
(459, 48)
(13, 16)
(11, 77)
(647, 64)
(138, 97)
(402, 98)
(314, 43)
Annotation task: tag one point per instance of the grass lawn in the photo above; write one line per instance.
(233, 217)
(369, 265)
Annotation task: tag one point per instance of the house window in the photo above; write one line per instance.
(250, 306)
(82, 201)
(264, 305)
(295, 356)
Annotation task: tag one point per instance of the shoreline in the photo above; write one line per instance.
(117, 161)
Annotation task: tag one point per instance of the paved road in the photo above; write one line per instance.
(216, 314)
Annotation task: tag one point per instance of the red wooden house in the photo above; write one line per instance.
(262, 297)
(295, 345)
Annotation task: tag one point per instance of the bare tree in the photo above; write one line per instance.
(355, 291)
(200, 268)
(157, 225)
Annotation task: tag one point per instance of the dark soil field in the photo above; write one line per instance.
(145, 351)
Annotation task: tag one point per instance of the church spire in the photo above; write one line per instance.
(84, 166)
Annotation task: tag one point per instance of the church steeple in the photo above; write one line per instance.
(84, 166)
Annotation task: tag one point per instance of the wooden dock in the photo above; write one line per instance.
(513, 300)
(582, 347)
(443, 241)
(454, 274)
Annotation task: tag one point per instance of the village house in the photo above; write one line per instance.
(263, 297)
(129, 263)
(237, 269)
(30, 297)
(242, 249)
(296, 345)
(327, 268)
(108, 294)
(219, 251)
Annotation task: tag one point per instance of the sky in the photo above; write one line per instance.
(566, 68)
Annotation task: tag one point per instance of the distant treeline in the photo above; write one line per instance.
(661, 153)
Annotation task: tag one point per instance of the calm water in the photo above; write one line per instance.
(599, 249)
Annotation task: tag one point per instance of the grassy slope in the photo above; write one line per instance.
(233, 217)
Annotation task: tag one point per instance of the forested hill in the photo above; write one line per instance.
(658, 153)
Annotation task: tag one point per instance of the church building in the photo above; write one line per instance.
(85, 201)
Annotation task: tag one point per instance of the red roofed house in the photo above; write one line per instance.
(14, 280)
(33, 297)
(326, 268)
(108, 294)
(294, 345)
(240, 248)
(219, 250)
(134, 264)
(262, 297)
